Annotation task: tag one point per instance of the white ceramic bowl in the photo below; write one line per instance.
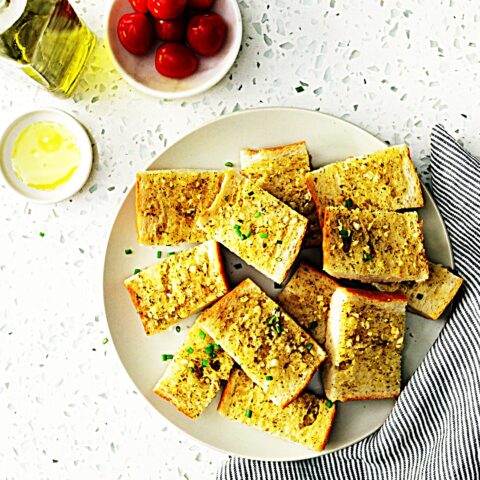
(140, 72)
(74, 184)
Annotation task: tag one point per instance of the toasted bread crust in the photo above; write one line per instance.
(377, 296)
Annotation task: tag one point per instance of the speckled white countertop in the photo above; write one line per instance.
(67, 408)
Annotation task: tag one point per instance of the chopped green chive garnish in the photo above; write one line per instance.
(278, 328)
(248, 413)
(137, 270)
(419, 296)
(202, 334)
(209, 350)
(225, 197)
(279, 242)
(178, 328)
(190, 350)
(273, 320)
(264, 235)
(166, 357)
(128, 251)
(42, 234)
(105, 341)
(250, 194)
(169, 254)
(258, 214)
(228, 164)
(349, 203)
(313, 325)
(367, 256)
(205, 363)
(192, 370)
(278, 259)
(329, 404)
(268, 378)
(237, 266)
(216, 346)
(238, 231)
(309, 346)
(344, 233)
(159, 254)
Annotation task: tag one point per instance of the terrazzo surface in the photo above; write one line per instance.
(67, 408)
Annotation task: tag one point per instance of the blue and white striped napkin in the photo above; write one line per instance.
(434, 430)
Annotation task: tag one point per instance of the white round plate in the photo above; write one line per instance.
(7, 142)
(328, 139)
(140, 72)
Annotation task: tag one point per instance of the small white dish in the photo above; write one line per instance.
(78, 179)
(140, 72)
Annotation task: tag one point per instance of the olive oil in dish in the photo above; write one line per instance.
(45, 155)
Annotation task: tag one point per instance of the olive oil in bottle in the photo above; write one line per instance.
(47, 40)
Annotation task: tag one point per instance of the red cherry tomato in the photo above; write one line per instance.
(206, 33)
(166, 9)
(135, 32)
(197, 5)
(175, 60)
(139, 6)
(171, 30)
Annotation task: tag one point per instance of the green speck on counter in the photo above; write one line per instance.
(105, 341)
(299, 89)
(42, 234)
(93, 188)
(95, 99)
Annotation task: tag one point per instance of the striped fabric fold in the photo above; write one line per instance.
(433, 431)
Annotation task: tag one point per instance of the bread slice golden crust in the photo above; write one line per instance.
(194, 377)
(265, 341)
(384, 180)
(373, 246)
(178, 286)
(431, 297)
(364, 341)
(307, 420)
(281, 171)
(256, 226)
(168, 203)
(306, 297)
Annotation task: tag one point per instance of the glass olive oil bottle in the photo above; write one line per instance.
(47, 40)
